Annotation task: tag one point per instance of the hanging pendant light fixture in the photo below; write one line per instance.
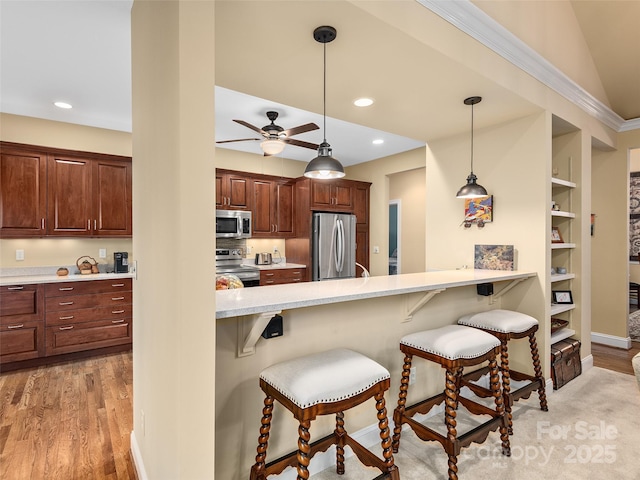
(324, 165)
(472, 189)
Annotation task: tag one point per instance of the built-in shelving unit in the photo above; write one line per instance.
(564, 215)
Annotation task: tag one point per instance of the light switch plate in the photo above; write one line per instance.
(102, 253)
(19, 254)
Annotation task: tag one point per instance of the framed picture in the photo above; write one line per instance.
(494, 257)
(555, 235)
(562, 296)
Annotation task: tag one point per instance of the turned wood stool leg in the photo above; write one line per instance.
(451, 405)
(385, 436)
(303, 450)
(402, 401)
(258, 470)
(339, 433)
(494, 380)
(506, 383)
(542, 395)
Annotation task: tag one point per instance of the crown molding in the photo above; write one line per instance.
(470, 19)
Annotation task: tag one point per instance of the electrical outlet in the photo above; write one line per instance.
(376, 249)
(102, 253)
(19, 254)
(142, 422)
(412, 376)
(275, 249)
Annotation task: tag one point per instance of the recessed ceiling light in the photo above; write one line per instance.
(378, 141)
(363, 102)
(62, 105)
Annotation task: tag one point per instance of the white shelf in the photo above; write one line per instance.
(559, 213)
(557, 246)
(557, 182)
(561, 277)
(557, 308)
(562, 334)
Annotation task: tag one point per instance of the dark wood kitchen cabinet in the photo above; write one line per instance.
(54, 192)
(88, 315)
(278, 276)
(333, 195)
(23, 192)
(21, 322)
(233, 190)
(273, 208)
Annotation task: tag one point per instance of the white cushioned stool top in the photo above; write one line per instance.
(452, 342)
(503, 321)
(324, 377)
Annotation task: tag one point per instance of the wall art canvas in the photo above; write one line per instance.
(478, 210)
(494, 257)
(634, 215)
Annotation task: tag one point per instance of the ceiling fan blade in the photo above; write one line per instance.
(238, 140)
(252, 127)
(300, 143)
(301, 129)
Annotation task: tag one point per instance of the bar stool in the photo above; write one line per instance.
(321, 384)
(453, 347)
(509, 325)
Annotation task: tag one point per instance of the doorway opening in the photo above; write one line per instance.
(394, 237)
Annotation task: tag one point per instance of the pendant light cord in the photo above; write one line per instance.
(472, 139)
(324, 94)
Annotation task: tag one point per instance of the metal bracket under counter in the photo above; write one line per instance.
(421, 303)
(511, 284)
(250, 329)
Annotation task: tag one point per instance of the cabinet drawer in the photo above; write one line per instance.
(81, 315)
(284, 275)
(89, 286)
(87, 336)
(73, 302)
(20, 303)
(21, 341)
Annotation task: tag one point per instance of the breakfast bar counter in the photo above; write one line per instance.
(249, 301)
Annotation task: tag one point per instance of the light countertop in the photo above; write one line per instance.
(31, 279)
(277, 266)
(255, 300)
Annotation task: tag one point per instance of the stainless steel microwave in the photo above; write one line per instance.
(233, 224)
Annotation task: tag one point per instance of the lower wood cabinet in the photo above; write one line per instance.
(86, 315)
(282, 275)
(21, 322)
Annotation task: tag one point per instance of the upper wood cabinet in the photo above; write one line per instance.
(23, 192)
(333, 195)
(233, 190)
(52, 192)
(273, 208)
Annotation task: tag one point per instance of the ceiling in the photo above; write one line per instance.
(79, 52)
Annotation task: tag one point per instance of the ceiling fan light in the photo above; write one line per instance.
(324, 166)
(272, 147)
(472, 189)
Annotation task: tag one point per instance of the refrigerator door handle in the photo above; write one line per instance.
(340, 256)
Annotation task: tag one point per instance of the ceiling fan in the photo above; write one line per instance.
(275, 137)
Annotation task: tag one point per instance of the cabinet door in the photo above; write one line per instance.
(233, 192)
(263, 223)
(23, 193)
(342, 196)
(21, 341)
(321, 195)
(284, 213)
(111, 198)
(69, 197)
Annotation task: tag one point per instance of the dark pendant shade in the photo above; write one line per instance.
(324, 165)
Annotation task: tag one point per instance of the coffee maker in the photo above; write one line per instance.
(120, 262)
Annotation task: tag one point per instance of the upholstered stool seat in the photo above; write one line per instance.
(320, 384)
(507, 325)
(453, 347)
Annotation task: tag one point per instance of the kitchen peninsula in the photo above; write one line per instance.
(368, 315)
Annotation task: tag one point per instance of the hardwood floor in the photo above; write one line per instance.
(68, 421)
(72, 421)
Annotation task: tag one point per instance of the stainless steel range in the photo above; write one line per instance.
(229, 260)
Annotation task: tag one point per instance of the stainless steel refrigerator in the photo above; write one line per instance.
(333, 246)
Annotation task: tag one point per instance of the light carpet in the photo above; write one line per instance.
(634, 325)
(591, 431)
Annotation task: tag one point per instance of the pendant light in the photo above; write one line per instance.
(472, 189)
(324, 165)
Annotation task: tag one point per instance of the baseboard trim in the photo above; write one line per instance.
(611, 340)
(138, 464)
